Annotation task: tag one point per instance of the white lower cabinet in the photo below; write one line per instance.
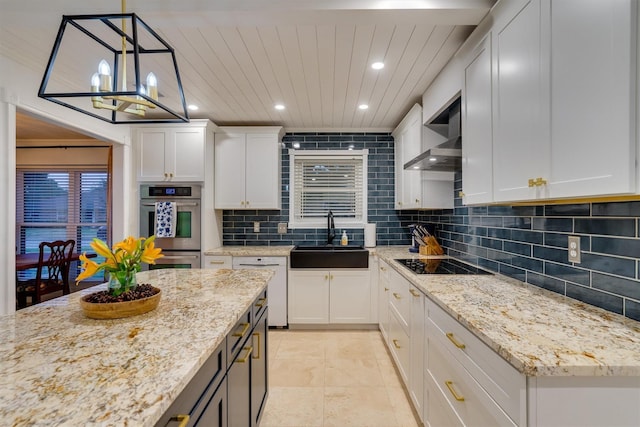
(466, 383)
(383, 298)
(329, 296)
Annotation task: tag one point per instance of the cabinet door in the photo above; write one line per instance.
(416, 378)
(185, 156)
(383, 299)
(521, 146)
(239, 388)
(215, 414)
(259, 371)
(308, 296)
(263, 186)
(593, 75)
(349, 297)
(407, 145)
(151, 154)
(477, 132)
(229, 171)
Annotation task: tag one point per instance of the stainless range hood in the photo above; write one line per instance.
(445, 157)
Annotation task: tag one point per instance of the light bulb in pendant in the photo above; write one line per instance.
(104, 72)
(152, 86)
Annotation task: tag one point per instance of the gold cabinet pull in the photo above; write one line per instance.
(386, 289)
(246, 356)
(455, 341)
(257, 335)
(326, 277)
(171, 175)
(183, 419)
(331, 277)
(245, 328)
(396, 344)
(261, 302)
(417, 201)
(532, 182)
(247, 203)
(455, 395)
(216, 262)
(382, 268)
(397, 295)
(540, 182)
(414, 292)
(460, 193)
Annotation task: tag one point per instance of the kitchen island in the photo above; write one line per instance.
(61, 368)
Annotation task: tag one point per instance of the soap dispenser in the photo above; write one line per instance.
(344, 240)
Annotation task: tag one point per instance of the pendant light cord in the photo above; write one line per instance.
(124, 47)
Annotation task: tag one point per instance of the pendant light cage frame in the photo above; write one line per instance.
(130, 48)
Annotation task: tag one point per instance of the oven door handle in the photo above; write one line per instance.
(180, 257)
(178, 204)
(258, 265)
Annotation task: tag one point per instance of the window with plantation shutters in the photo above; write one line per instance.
(323, 181)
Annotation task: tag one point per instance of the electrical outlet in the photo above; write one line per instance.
(282, 228)
(256, 227)
(574, 249)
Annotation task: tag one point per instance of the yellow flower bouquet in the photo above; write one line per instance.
(122, 262)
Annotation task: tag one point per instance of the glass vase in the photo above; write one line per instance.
(122, 281)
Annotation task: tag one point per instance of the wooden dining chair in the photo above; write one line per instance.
(52, 272)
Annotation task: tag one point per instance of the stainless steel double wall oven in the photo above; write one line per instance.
(183, 250)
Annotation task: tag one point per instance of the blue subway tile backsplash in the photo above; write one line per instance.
(528, 243)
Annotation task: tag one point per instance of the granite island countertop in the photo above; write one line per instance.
(538, 332)
(60, 368)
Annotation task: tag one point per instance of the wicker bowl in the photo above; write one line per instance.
(119, 310)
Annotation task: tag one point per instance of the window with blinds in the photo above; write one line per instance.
(323, 181)
(60, 205)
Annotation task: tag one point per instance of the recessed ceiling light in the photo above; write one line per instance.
(363, 106)
(193, 107)
(416, 167)
(433, 159)
(279, 107)
(377, 65)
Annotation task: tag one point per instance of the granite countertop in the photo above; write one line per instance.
(61, 368)
(538, 332)
(250, 250)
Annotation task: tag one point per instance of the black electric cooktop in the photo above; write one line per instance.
(440, 266)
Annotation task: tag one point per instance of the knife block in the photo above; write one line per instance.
(431, 247)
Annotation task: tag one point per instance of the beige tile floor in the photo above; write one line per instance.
(333, 378)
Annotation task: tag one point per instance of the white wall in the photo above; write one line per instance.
(19, 90)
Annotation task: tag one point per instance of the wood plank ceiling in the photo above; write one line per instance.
(239, 58)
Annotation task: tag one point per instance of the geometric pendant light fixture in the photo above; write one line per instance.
(115, 68)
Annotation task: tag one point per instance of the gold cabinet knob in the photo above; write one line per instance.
(460, 193)
(414, 292)
(532, 182)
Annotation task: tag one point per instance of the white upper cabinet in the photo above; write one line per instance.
(593, 82)
(248, 168)
(521, 144)
(477, 130)
(171, 153)
(416, 189)
(407, 138)
(563, 111)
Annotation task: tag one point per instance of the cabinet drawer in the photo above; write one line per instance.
(399, 345)
(400, 298)
(217, 261)
(238, 336)
(501, 380)
(471, 403)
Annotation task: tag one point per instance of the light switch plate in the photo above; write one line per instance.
(256, 227)
(574, 249)
(282, 228)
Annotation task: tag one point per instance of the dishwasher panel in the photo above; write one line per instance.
(277, 288)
